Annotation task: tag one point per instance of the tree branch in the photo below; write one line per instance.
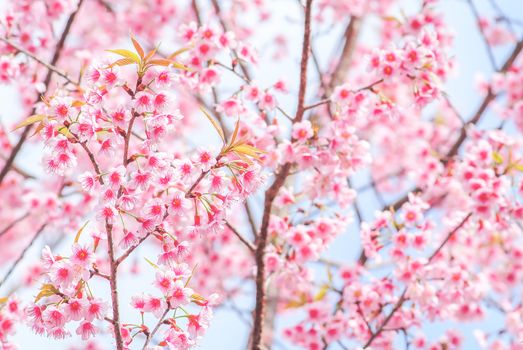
(463, 133)
(270, 195)
(403, 295)
(244, 240)
(113, 281)
(13, 224)
(50, 67)
(485, 41)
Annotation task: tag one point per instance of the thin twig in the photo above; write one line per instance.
(13, 224)
(317, 104)
(132, 248)
(22, 254)
(155, 329)
(244, 240)
(50, 67)
(403, 295)
(485, 40)
(19, 171)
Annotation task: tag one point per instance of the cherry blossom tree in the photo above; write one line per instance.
(162, 167)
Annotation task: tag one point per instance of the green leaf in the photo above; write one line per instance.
(77, 103)
(294, 304)
(30, 120)
(150, 54)
(65, 131)
(38, 128)
(192, 274)
(518, 167)
(127, 54)
(166, 63)
(321, 293)
(151, 263)
(77, 237)
(178, 52)
(46, 290)
(247, 150)
(198, 299)
(215, 124)
(235, 133)
(138, 47)
(498, 159)
(122, 62)
(329, 274)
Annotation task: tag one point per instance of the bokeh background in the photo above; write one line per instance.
(231, 325)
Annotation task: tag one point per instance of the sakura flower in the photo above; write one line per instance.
(267, 101)
(75, 309)
(81, 255)
(107, 213)
(62, 274)
(143, 102)
(252, 93)
(154, 209)
(86, 330)
(205, 160)
(95, 309)
(115, 176)
(302, 131)
(154, 305)
(164, 281)
(53, 317)
(231, 107)
(178, 204)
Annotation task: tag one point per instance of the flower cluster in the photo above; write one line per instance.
(67, 296)
(137, 190)
(11, 313)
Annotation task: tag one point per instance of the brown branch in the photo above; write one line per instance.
(351, 34)
(92, 159)
(99, 274)
(317, 104)
(317, 66)
(158, 229)
(486, 101)
(106, 5)
(128, 138)
(272, 192)
(113, 276)
(396, 307)
(47, 81)
(196, 11)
